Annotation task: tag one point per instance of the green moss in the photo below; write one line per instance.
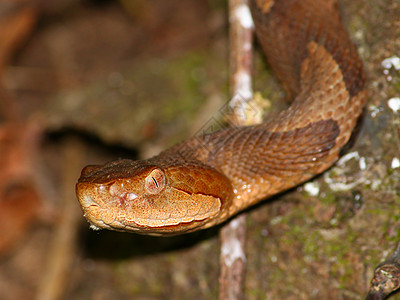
(329, 197)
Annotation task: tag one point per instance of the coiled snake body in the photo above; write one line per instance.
(205, 180)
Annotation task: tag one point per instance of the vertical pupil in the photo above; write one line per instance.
(155, 181)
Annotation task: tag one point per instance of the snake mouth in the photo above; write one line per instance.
(107, 208)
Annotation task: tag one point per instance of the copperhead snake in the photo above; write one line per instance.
(205, 180)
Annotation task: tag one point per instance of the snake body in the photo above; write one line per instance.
(205, 180)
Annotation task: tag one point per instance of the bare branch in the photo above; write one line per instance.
(233, 235)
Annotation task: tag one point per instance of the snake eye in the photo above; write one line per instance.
(155, 182)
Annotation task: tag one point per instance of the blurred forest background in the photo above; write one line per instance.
(88, 81)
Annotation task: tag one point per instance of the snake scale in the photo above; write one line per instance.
(207, 179)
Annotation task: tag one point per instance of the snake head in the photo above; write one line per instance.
(142, 196)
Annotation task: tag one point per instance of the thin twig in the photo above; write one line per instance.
(233, 235)
(62, 247)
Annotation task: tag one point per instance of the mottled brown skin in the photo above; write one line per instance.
(205, 180)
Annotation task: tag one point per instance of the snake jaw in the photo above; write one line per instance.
(119, 207)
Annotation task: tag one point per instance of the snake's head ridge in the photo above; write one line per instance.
(144, 197)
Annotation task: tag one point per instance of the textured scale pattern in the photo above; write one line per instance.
(205, 180)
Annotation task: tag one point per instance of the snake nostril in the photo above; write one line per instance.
(86, 201)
